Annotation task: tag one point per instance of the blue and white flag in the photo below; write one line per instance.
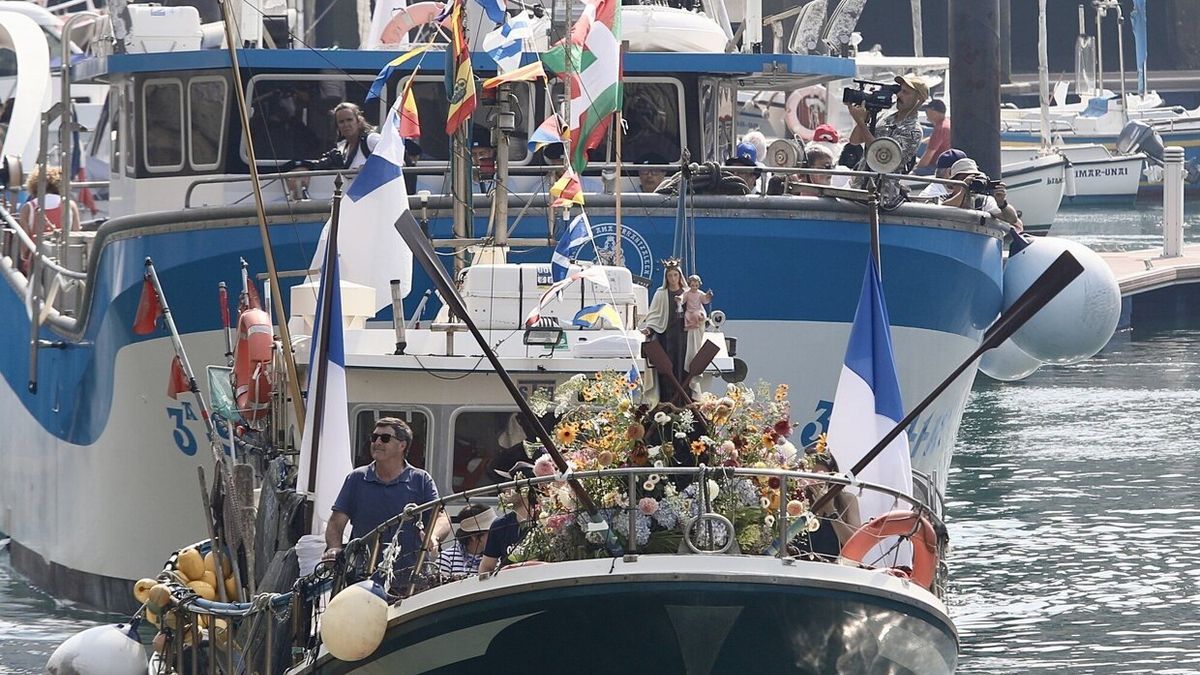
(368, 243)
(578, 233)
(867, 404)
(506, 43)
(335, 456)
(496, 10)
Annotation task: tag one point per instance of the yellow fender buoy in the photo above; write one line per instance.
(141, 589)
(203, 589)
(190, 563)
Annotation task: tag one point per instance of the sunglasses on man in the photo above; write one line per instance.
(383, 438)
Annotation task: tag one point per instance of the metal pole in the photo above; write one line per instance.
(873, 210)
(631, 486)
(66, 125)
(506, 122)
(1099, 50)
(460, 188)
(324, 321)
(285, 334)
(619, 134)
(1172, 201)
(1121, 62)
(1043, 79)
(398, 317)
(918, 31)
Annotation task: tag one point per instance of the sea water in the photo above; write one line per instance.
(1072, 508)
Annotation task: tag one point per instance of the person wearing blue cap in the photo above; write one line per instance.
(944, 162)
(746, 154)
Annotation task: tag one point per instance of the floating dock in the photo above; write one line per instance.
(1157, 290)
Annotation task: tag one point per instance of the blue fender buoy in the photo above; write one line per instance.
(1080, 320)
(101, 650)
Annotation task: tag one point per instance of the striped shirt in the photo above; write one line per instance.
(456, 560)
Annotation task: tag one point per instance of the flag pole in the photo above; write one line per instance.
(619, 134)
(285, 335)
(177, 343)
(320, 359)
(1061, 273)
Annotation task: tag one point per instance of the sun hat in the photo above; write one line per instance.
(480, 522)
(916, 83)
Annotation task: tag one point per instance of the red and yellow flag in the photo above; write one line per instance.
(410, 121)
(460, 81)
(567, 190)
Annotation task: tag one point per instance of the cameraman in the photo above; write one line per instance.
(980, 194)
(357, 139)
(901, 126)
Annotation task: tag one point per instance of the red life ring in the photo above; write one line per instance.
(903, 524)
(407, 18)
(251, 364)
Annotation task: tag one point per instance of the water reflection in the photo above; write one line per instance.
(32, 624)
(1072, 515)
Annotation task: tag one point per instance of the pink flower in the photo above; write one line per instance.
(544, 466)
(604, 458)
(794, 508)
(728, 448)
(558, 520)
(648, 505)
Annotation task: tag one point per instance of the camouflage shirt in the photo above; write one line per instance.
(907, 133)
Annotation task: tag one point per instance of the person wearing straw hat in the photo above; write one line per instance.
(464, 555)
(901, 126)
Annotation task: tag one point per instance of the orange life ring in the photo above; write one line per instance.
(407, 18)
(903, 524)
(251, 364)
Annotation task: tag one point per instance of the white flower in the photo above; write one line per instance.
(670, 490)
(680, 434)
(707, 441)
(661, 417)
(654, 478)
(764, 502)
(813, 524)
(654, 451)
(658, 464)
(580, 377)
(769, 520)
(787, 450)
(713, 489)
(648, 485)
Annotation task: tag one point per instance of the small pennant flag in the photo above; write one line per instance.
(496, 10)
(594, 274)
(177, 383)
(567, 190)
(149, 310)
(547, 133)
(578, 233)
(410, 121)
(533, 71)
(381, 79)
(506, 43)
(595, 316)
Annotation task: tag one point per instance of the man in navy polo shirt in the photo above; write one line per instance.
(374, 493)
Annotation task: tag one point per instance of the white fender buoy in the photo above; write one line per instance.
(101, 650)
(1008, 363)
(1080, 320)
(355, 621)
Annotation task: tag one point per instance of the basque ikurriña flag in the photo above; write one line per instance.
(368, 243)
(334, 454)
(867, 404)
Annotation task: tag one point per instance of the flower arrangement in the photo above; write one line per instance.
(602, 426)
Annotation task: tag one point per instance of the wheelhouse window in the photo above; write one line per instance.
(364, 425)
(484, 441)
(207, 114)
(291, 117)
(162, 124)
(429, 92)
(655, 127)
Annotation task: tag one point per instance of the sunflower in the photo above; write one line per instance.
(588, 394)
(698, 447)
(566, 433)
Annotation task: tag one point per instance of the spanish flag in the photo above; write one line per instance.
(410, 121)
(533, 71)
(460, 82)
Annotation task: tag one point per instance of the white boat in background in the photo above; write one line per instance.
(1095, 175)
(1035, 188)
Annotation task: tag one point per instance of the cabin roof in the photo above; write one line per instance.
(756, 71)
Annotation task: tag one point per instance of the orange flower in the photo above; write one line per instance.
(588, 394)
(698, 447)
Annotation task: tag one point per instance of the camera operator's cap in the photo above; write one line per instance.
(747, 151)
(963, 166)
(949, 157)
(825, 133)
(916, 83)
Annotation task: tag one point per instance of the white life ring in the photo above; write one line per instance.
(407, 18)
(805, 110)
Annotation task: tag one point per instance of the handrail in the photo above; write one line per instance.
(28, 244)
(217, 180)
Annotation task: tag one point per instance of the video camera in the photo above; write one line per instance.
(980, 185)
(880, 96)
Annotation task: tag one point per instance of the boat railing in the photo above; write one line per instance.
(267, 179)
(27, 261)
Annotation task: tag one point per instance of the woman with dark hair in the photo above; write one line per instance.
(464, 555)
(839, 518)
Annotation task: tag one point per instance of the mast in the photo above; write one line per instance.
(618, 135)
(1043, 78)
(285, 335)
